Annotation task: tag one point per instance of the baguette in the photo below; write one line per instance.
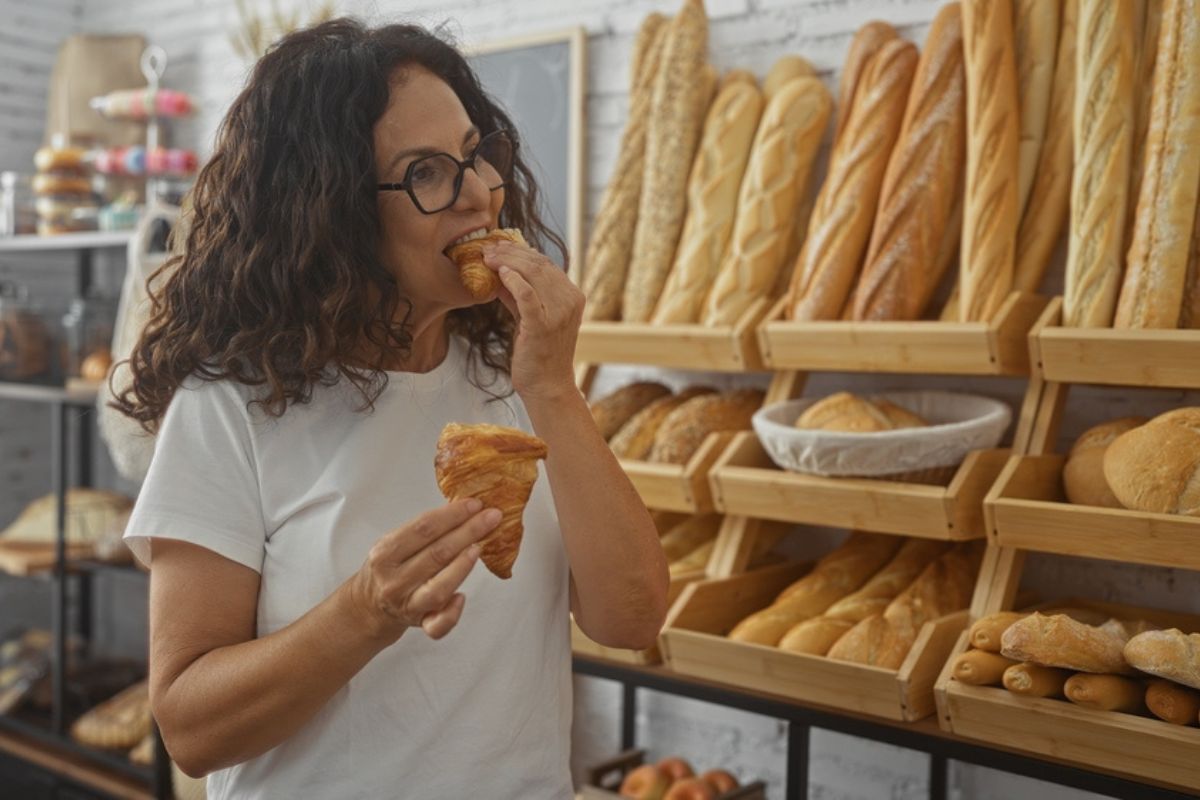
(1103, 134)
(1170, 654)
(783, 71)
(685, 428)
(1083, 474)
(915, 235)
(1059, 641)
(1035, 35)
(712, 202)
(611, 244)
(1033, 680)
(986, 632)
(1148, 21)
(743, 76)
(636, 438)
(945, 586)
(1189, 317)
(781, 158)
(980, 668)
(873, 641)
(1173, 703)
(672, 135)
(867, 41)
(840, 226)
(696, 559)
(1105, 692)
(1152, 294)
(1049, 199)
(612, 411)
(815, 636)
(693, 532)
(1156, 467)
(910, 560)
(990, 213)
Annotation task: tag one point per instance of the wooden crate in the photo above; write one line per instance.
(1116, 356)
(745, 481)
(612, 772)
(1027, 509)
(726, 348)
(998, 347)
(678, 487)
(1141, 747)
(694, 643)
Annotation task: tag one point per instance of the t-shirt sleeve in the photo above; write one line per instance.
(202, 486)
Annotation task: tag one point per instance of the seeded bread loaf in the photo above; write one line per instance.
(612, 411)
(685, 429)
(636, 438)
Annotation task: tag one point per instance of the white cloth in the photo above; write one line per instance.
(484, 712)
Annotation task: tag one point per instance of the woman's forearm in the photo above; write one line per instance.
(617, 564)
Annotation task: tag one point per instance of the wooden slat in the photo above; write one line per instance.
(924, 663)
(75, 769)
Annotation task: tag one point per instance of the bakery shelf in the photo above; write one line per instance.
(678, 487)
(1142, 747)
(1117, 357)
(745, 481)
(38, 731)
(582, 645)
(1027, 509)
(65, 241)
(53, 759)
(998, 347)
(35, 393)
(727, 348)
(694, 643)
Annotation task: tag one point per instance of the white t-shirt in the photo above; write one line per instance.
(486, 711)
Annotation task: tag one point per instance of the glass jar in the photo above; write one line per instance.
(88, 334)
(18, 215)
(25, 344)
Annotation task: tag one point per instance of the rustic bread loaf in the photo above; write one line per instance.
(676, 117)
(1035, 36)
(915, 234)
(1170, 654)
(712, 201)
(1156, 270)
(1083, 474)
(1156, 467)
(612, 411)
(1057, 640)
(636, 438)
(607, 260)
(993, 150)
(1105, 692)
(866, 43)
(685, 428)
(1103, 134)
(840, 227)
(985, 632)
(850, 413)
(781, 158)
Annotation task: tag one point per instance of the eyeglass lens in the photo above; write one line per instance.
(435, 180)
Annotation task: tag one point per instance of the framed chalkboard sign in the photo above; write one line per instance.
(540, 80)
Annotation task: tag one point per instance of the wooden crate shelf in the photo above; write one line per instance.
(998, 347)
(582, 645)
(727, 348)
(1116, 357)
(678, 487)
(745, 481)
(694, 643)
(1027, 509)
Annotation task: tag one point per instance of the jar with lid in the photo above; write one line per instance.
(25, 343)
(87, 334)
(18, 212)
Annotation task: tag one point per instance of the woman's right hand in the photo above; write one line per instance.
(412, 575)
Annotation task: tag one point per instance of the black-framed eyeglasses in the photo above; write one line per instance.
(433, 182)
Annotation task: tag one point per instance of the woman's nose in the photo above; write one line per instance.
(474, 194)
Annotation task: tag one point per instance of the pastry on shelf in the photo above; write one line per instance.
(118, 723)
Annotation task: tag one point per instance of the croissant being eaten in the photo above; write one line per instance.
(498, 466)
(480, 281)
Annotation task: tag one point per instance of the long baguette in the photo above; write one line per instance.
(784, 70)
(1035, 34)
(910, 560)
(1148, 21)
(1189, 316)
(1033, 680)
(1152, 294)
(608, 252)
(866, 43)
(841, 223)
(1105, 692)
(672, 135)
(980, 668)
(1173, 703)
(1049, 200)
(785, 147)
(1103, 135)
(908, 252)
(990, 215)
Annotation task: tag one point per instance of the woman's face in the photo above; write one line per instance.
(424, 116)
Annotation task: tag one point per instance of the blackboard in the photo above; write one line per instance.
(539, 81)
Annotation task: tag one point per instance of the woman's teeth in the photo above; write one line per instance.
(479, 234)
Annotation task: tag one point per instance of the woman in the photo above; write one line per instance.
(317, 627)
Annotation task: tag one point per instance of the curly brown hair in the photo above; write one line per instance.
(280, 284)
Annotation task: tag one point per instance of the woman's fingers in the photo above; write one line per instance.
(529, 306)
(400, 545)
(440, 623)
(444, 551)
(435, 593)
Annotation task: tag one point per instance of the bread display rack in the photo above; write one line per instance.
(1026, 511)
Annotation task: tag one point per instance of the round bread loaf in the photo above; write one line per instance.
(1083, 474)
(849, 413)
(1156, 467)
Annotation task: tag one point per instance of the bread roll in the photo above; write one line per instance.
(1049, 199)
(635, 439)
(696, 559)
(712, 202)
(1147, 19)
(1103, 134)
(608, 251)
(841, 222)
(1152, 293)
(993, 151)
(980, 668)
(1105, 692)
(613, 410)
(850, 413)
(781, 158)
(909, 562)
(986, 632)
(1170, 654)
(1172, 703)
(685, 428)
(676, 117)
(815, 636)
(915, 234)
(1033, 680)
(1035, 34)
(784, 70)
(867, 41)
(1059, 641)
(1156, 467)
(1083, 474)
(685, 537)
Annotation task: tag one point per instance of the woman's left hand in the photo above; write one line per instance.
(548, 309)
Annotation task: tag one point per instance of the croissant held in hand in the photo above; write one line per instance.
(480, 281)
(498, 466)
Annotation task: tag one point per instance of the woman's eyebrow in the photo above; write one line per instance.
(427, 151)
